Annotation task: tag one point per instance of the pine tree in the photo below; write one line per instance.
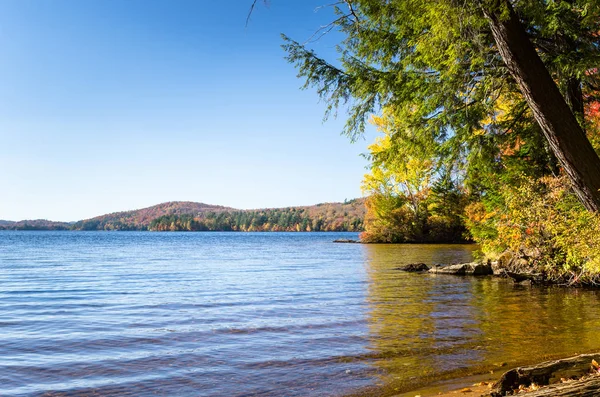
(440, 67)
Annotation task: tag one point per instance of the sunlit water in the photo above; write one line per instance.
(261, 314)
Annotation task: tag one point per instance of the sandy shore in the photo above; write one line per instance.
(471, 386)
(476, 390)
(575, 375)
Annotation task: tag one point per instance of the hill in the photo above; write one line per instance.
(35, 224)
(141, 219)
(191, 216)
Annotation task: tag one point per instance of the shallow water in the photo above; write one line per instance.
(260, 314)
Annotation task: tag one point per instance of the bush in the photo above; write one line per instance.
(543, 219)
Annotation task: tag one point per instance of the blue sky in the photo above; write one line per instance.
(109, 105)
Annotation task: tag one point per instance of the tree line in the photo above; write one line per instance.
(348, 216)
(275, 220)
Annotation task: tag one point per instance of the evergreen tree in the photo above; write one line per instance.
(440, 67)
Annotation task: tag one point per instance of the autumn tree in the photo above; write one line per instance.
(411, 195)
(441, 66)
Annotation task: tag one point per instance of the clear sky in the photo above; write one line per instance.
(110, 105)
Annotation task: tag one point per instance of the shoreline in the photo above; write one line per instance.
(469, 386)
(572, 373)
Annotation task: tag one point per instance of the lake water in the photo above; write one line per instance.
(261, 314)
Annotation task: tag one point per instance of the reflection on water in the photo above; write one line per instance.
(261, 314)
(425, 327)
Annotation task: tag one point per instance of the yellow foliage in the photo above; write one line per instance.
(544, 215)
(400, 207)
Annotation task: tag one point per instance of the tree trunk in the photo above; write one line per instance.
(558, 123)
(574, 96)
(551, 373)
(582, 388)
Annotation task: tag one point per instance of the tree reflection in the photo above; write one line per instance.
(416, 320)
(424, 328)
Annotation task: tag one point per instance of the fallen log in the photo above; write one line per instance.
(588, 387)
(551, 373)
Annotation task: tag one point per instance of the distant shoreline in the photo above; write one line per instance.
(182, 231)
(199, 217)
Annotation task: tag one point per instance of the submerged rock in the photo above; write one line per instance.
(414, 267)
(463, 269)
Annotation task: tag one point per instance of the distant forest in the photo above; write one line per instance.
(347, 216)
(273, 220)
(35, 224)
(190, 216)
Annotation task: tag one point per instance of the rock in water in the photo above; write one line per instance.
(457, 270)
(463, 269)
(535, 278)
(479, 269)
(346, 240)
(414, 267)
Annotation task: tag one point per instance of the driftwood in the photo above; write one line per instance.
(551, 373)
(589, 387)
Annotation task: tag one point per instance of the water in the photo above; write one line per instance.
(261, 314)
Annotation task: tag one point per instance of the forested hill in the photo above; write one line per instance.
(191, 216)
(141, 219)
(35, 224)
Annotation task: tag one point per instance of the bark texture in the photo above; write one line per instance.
(551, 372)
(565, 136)
(582, 388)
(574, 96)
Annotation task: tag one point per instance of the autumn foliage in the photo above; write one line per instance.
(411, 196)
(190, 216)
(542, 221)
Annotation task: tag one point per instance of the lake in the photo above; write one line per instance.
(262, 314)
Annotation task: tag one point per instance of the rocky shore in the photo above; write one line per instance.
(458, 269)
(504, 267)
(574, 376)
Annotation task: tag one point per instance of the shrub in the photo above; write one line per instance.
(544, 217)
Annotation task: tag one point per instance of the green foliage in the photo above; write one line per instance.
(286, 219)
(174, 223)
(390, 219)
(435, 65)
(434, 73)
(456, 127)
